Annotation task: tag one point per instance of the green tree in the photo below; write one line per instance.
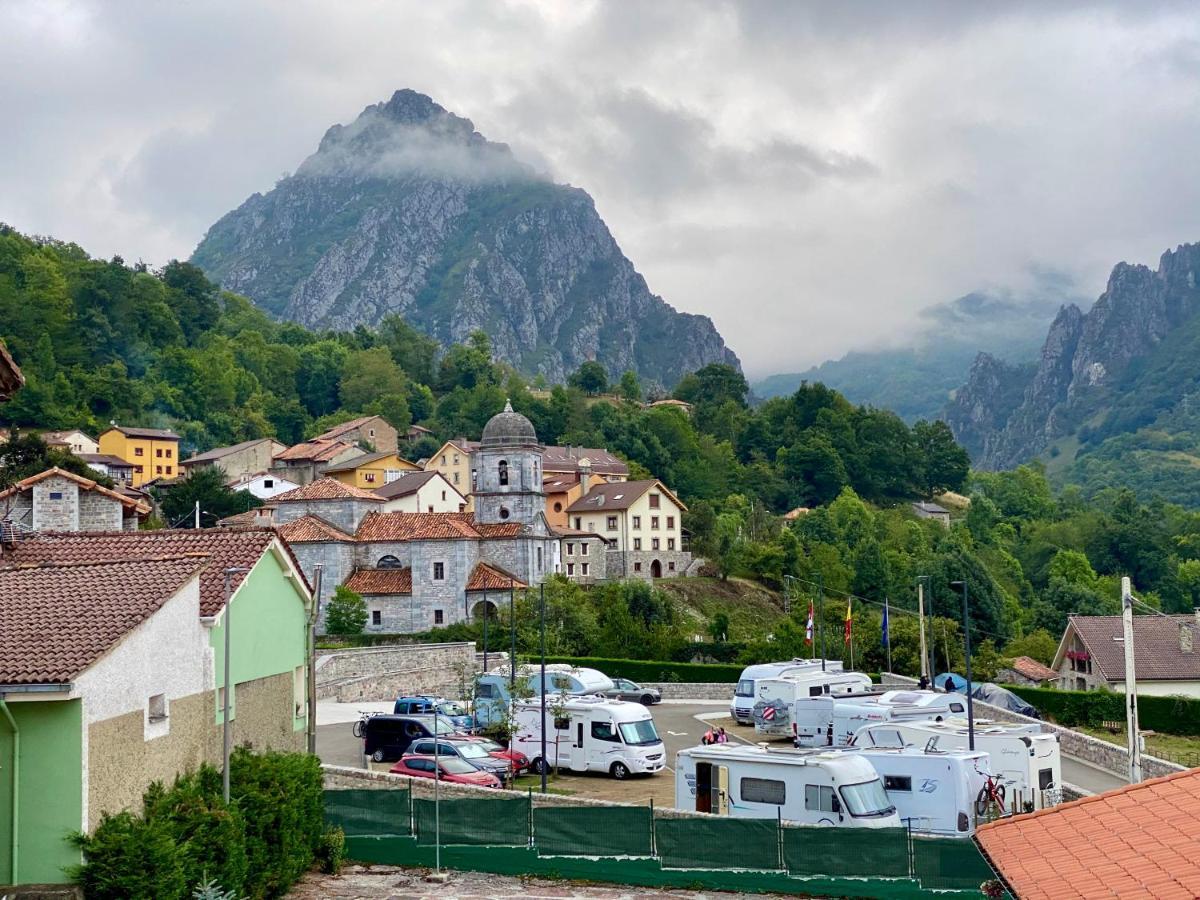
(1039, 645)
(631, 388)
(718, 628)
(346, 612)
(368, 375)
(945, 464)
(590, 377)
(207, 487)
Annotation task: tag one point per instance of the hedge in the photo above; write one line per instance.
(257, 846)
(1169, 715)
(653, 669)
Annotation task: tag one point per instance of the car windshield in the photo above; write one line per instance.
(444, 725)
(867, 799)
(452, 708)
(469, 750)
(489, 746)
(455, 766)
(745, 688)
(637, 733)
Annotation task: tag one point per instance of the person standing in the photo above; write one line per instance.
(722, 737)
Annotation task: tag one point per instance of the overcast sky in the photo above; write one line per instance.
(809, 175)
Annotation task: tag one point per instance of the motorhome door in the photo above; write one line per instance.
(578, 762)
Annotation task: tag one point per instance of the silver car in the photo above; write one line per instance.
(624, 689)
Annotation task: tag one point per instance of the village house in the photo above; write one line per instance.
(371, 470)
(153, 452)
(111, 466)
(111, 671)
(928, 510)
(371, 433)
(1027, 671)
(1166, 657)
(237, 461)
(58, 500)
(642, 521)
(416, 432)
(453, 462)
(426, 492)
(264, 485)
(306, 462)
(73, 441)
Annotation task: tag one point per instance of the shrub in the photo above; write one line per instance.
(332, 853)
(346, 612)
(128, 857)
(1169, 715)
(209, 835)
(653, 670)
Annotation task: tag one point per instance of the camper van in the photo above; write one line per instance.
(493, 694)
(774, 706)
(807, 787)
(742, 706)
(1025, 760)
(589, 734)
(832, 721)
(933, 790)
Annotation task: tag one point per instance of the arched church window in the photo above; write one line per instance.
(389, 562)
(504, 512)
(503, 471)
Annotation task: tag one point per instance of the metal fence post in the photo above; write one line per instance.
(412, 815)
(530, 819)
(653, 848)
(912, 851)
(779, 835)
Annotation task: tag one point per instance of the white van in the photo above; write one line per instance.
(1027, 761)
(776, 699)
(934, 791)
(832, 721)
(590, 734)
(742, 706)
(807, 787)
(493, 690)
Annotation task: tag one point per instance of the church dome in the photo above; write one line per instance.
(509, 429)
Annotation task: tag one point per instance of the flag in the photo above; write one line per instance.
(808, 632)
(885, 638)
(849, 621)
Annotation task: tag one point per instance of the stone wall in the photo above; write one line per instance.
(623, 564)
(56, 505)
(678, 690)
(385, 672)
(99, 513)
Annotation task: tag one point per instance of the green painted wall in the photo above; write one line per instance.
(269, 631)
(50, 789)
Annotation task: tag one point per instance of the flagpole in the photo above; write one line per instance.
(887, 634)
(850, 630)
(821, 615)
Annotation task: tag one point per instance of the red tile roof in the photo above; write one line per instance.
(380, 581)
(58, 619)
(1157, 654)
(326, 489)
(401, 526)
(311, 530)
(316, 450)
(617, 495)
(131, 503)
(1033, 669)
(1139, 841)
(486, 577)
(225, 547)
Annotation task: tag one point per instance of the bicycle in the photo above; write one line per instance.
(990, 795)
(360, 727)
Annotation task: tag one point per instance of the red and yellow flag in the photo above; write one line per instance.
(849, 621)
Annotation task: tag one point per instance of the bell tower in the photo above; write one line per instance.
(508, 467)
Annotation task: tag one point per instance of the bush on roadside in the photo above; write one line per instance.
(331, 855)
(1169, 715)
(128, 857)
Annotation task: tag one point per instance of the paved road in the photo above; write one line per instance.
(1088, 777)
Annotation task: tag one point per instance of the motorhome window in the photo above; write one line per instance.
(818, 798)
(1045, 779)
(826, 689)
(867, 799)
(640, 733)
(763, 790)
(814, 692)
(562, 724)
(604, 731)
(897, 783)
(486, 691)
(745, 688)
(957, 707)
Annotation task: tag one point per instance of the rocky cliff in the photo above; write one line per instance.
(409, 210)
(1087, 362)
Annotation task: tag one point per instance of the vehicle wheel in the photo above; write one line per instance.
(981, 802)
(620, 771)
(1000, 792)
(358, 728)
(647, 700)
(538, 766)
(377, 756)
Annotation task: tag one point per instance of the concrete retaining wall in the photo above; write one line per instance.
(379, 673)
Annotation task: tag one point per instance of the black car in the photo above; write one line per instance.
(624, 689)
(387, 737)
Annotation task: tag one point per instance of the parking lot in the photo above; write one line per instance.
(676, 722)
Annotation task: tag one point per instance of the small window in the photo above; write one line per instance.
(897, 783)
(655, 501)
(439, 571)
(503, 512)
(485, 691)
(456, 478)
(443, 459)
(503, 471)
(1045, 779)
(299, 694)
(818, 798)
(389, 562)
(637, 543)
(539, 559)
(137, 451)
(157, 708)
(268, 482)
(583, 569)
(578, 523)
(654, 523)
(570, 549)
(814, 691)
(168, 453)
(957, 707)
(670, 522)
(138, 469)
(456, 459)
(583, 549)
(169, 470)
(763, 790)
(604, 731)
(611, 523)
(654, 544)
(637, 567)
(369, 477)
(637, 522)
(670, 543)
(443, 496)
(558, 507)
(376, 617)
(158, 453)
(439, 617)
(570, 568)
(671, 567)
(158, 470)
(56, 495)
(370, 432)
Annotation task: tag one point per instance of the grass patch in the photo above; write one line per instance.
(753, 610)
(534, 782)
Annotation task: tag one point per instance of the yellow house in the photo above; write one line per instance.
(153, 452)
(453, 462)
(371, 470)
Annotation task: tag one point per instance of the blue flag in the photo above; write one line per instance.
(886, 641)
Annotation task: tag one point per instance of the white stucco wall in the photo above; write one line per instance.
(1162, 688)
(258, 488)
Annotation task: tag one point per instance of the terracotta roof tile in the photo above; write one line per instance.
(326, 489)
(316, 450)
(58, 619)
(486, 577)
(1158, 656)
(1033, 669)
(87, 484)
(401, 526)
(225, 547)
(1138, 841)
(311, 530)
(380, 581)
(498, 529)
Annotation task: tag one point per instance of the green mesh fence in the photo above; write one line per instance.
(374, 812)
(586, 831)
(500, 823)
(947, 864)
(854, 852)
(717, 843)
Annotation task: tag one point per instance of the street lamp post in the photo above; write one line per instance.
(821, 615)
(542, 597)
(226, 733)
(967, 640)
(926, 667)
(512, 622)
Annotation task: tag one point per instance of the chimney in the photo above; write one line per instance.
(585, 476)
(1185, 637)
(1196, 612)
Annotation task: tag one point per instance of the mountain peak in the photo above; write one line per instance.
(411, 107)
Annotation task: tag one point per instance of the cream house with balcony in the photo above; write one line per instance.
(642, 521)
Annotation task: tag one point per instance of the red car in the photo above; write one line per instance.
(515, 758)
(453, 769)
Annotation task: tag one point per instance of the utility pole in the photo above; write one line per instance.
(821, 615)
(1131, 710)
(197, 515)
(970, 685)
(925, 668)
(512, 621)
(545, 767)
(313, 617)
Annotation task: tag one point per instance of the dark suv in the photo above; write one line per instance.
(387, 737)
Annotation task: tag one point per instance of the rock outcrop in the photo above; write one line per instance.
(409, 210)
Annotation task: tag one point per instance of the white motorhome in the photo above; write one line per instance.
(832, 721)
(493, 690)
(744, 695)
(807, 787)
(776, 698)
(934, 791)
(589, 734)
(1027, 761)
